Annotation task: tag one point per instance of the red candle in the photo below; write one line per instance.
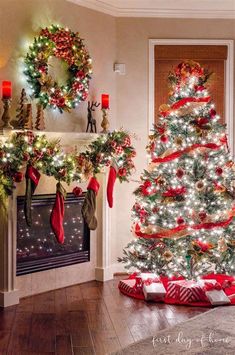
(6, 89)
(104, 101)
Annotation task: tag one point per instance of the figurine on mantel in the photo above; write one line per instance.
(91, 122)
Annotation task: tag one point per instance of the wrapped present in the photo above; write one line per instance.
(147, 275)
(153, 290)
(184, 291)
(214, 292)
(128, 286)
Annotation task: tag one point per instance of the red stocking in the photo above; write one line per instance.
(57, 214)
(110, 185)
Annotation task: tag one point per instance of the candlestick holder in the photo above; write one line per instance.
(105, 121)
(6, 118)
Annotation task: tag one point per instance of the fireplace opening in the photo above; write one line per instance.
(37, 247)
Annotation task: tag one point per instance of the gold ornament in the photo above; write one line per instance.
(200, 186)
(178, 141)
(222, 245)
(168, 255)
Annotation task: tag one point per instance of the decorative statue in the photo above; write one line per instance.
(91, 122)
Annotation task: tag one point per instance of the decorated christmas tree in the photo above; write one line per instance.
(184, 211)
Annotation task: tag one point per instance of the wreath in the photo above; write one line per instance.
(66, 45)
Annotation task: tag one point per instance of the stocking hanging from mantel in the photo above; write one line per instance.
(89, 205)
(57, 214)
(32, 177)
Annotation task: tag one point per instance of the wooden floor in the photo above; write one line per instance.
(91, 318)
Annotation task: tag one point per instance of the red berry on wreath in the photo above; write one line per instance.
(164, 138)
(25, 157)
(18, 177)
(122, 172)
(127, 142)
(119, 149)
(77, 191)
(180, 220)
(219, 171)
(113, 144)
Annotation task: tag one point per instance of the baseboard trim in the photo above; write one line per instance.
(105, 274)
(9, 298)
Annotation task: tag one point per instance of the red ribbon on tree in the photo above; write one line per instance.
(168, 233)
(178, 154)
(184, 101)
(175, 192)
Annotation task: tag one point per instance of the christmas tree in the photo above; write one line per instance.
(184, 211)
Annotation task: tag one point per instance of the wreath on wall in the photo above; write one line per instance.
(67, 46)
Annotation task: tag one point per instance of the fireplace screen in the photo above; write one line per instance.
(37, 248)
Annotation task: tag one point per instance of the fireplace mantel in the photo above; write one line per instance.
(12, 287)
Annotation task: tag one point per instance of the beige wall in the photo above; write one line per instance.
(132, 89)
(108, 39)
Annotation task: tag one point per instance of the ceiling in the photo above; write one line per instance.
(163, 8)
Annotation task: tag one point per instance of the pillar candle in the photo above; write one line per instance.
(6, 89)
(104, 101)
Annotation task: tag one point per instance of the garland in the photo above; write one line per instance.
(67, 46)
(26, 148)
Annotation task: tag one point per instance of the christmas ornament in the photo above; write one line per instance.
(77, 191)
(67, 46)
(200, 186)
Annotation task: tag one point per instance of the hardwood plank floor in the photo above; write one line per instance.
(90, 318)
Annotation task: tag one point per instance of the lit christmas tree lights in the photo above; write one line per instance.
(184, 211)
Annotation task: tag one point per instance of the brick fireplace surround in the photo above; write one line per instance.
(13, 287)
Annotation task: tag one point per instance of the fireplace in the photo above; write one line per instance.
(37, 248)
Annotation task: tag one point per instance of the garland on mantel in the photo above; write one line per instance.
(26, 148)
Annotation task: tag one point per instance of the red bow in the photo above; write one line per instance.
(208, 286)
(175, 192)
(148, 282)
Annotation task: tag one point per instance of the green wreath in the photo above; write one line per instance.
(67, 46)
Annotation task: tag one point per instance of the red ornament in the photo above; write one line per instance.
(164, 138)
(180, 220)
(202, 215)
(127, 142)
(180, 173)
(119, 150)
(219, 171)
(212, 113)
(18, 177)
(77, 191)
(122, 172)
(25, 157)
(113, 144)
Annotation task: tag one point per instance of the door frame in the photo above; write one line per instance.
(229, 78)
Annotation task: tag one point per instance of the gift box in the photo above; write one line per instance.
(184, 291)
(154, 291)
(147, 275)
(128, 286)
(214, 292)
